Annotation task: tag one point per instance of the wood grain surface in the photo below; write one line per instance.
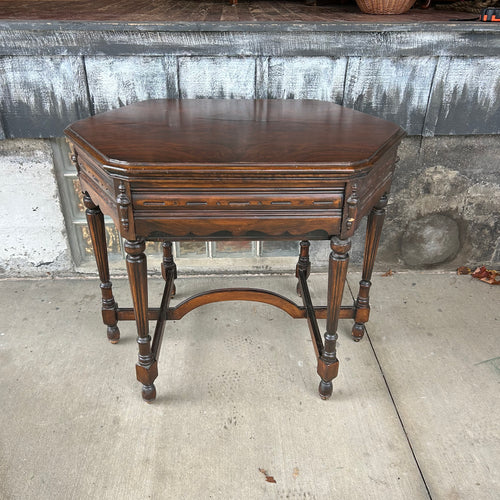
(204, 10)
(235, 132)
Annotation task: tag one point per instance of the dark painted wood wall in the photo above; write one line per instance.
(434, 80)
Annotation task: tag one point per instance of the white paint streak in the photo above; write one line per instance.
(307, 78)
(465, 96)
(394, 88)
(115, 81)
(473, 79)
(229, 77)
(44, 83)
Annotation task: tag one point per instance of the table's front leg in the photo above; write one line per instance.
(146, 367)
(328, 364)
(373, 232)
(95, 221)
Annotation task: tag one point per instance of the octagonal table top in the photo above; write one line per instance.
(209, 133)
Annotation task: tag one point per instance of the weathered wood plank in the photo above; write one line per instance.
(465, 97)
(227, 77)
(389, 73)
(238, 39)
(307, 78)
(40, 96)
(396, 89)
(117, 81)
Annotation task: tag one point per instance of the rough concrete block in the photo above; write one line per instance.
(32, 232)
(451, 177)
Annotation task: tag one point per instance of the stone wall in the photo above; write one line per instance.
(444, 209)
(446, 205)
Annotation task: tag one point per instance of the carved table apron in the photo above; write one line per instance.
(209, 170)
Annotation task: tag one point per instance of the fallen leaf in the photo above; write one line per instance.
(489, 276)
(388, 273)
(480, 272)
(295, 471)
(269, 479)
(464, 270)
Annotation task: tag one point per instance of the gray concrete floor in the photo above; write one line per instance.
(414, 414)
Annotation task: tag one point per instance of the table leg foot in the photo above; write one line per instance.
(358, 331)
(113, 334)
(325, 389)
(327, 370)
(146, 374)
(149, 393)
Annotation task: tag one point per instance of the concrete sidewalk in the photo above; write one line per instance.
(414, 413)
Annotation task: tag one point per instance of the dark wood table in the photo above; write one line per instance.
(208, 170)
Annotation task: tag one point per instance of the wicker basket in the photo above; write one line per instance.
(385, 6)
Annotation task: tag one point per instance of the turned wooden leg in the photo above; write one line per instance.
(373, 232)
(168, 262)
(328, 364)
(146, 367)
(95, 221)
(303, 263)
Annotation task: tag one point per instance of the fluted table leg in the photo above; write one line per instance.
(373, 232)
(146, 367)
(328, 364)
(95, 221)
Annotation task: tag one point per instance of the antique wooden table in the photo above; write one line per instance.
(208, 170)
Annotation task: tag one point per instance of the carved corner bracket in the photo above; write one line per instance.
(352, 204)
(73, 156)
(123, 202)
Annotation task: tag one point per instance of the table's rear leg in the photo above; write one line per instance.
(328, 364)
(303, 263)
(146, 367)
(95, 221)
(168, 262)
(373, 232)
